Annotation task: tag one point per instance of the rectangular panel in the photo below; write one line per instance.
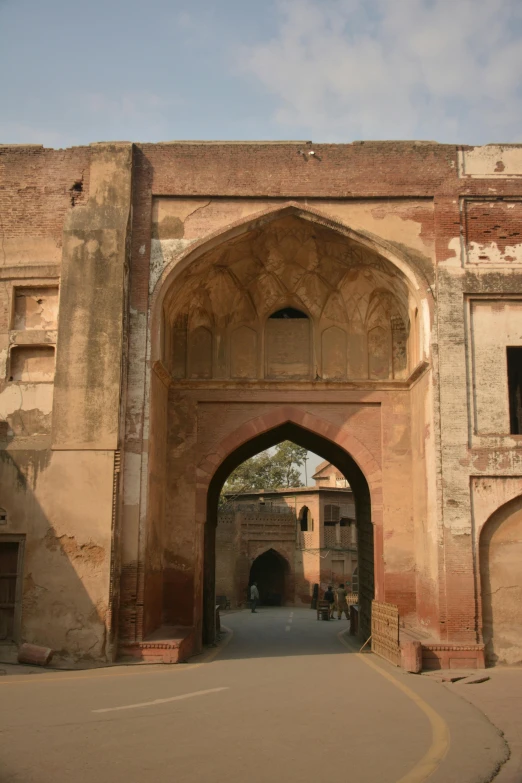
(32, 364)
(497, 161)
(495, 324)
(35, 308)
(288, 348)
(493, 231)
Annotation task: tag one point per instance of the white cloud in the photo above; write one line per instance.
(346, 69)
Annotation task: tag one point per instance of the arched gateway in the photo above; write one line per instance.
(168, 311)
(284, 327)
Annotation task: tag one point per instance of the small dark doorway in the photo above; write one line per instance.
(269, 571)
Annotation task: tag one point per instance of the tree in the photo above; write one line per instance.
(268, 470)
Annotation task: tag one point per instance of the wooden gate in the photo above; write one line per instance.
(385, 632)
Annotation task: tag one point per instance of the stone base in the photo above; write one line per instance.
(168, 644)
(452, 656)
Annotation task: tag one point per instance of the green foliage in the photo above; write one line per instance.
(268, 470)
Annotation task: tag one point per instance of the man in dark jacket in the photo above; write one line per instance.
(330, 597)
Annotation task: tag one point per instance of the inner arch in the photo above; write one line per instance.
(346, 465)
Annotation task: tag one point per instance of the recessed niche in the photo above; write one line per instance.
(32, 364)
(35, 308)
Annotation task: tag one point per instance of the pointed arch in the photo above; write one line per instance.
(417, 282)
(249, 438)
(336, 444)
(500, 554)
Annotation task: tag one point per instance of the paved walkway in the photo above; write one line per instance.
(500, 698)
(283, 700)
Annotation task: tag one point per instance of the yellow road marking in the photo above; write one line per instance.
(440, 735)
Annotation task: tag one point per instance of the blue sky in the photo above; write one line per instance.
(326, 70)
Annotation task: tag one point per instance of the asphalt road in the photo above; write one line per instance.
(283, 700)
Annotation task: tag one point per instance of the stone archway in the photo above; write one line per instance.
(500, 556)
(324, 439)
(214, 399)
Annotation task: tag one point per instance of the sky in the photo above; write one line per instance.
(321, 70)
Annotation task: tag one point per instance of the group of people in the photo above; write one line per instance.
(337, 599)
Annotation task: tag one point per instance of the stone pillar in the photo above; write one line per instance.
(89, 375)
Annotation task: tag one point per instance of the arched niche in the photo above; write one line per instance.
(305, 519)
(243, 353)
(288, 344)
(379, 353)
(200, 353)
(500, 556)
(333, 352)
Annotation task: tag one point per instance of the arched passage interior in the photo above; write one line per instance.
(269, 572)
(337, 456)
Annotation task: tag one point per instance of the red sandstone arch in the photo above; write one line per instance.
(211, 470)
(324, 429)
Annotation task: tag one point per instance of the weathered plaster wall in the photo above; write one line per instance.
(492, 160)
(61, 502)
(39, 188)
(93, 300)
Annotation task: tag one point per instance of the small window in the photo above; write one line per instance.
(288, 312)
(304, 519)
(331, 514)
(514, 367)
(10, 587)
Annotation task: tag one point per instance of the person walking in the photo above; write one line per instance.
(342, 603)
(330, 597)
(254, 596)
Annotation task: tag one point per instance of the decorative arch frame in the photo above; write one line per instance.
(216, 465)
(341, 437)
(420, 286)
